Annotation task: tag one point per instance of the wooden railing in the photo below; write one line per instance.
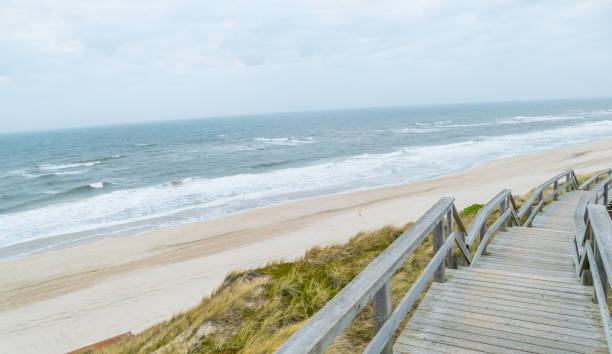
(507, 215)
(594, 180)
(527, 208)
(594, 257)
(374, 282)
(443, 222)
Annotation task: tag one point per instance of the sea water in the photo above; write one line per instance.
(59, 188)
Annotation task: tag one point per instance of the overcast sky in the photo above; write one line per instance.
(77, 63)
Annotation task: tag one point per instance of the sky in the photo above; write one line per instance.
(79, 63)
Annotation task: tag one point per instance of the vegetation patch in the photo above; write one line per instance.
(471, 210)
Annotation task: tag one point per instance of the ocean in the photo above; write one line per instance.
(59, 188)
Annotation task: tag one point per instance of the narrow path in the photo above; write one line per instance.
(522, 296)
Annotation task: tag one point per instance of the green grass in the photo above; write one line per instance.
(472, 209)
(257, 310)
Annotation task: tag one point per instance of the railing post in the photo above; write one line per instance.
(567, 182)
(556, 197)
(483, 231)
(382, 310)
(502, 210)
(450, 259)
(605, 195)
(438, 241)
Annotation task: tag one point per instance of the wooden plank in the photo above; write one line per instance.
(558, 328)
(528, 270)
(325, 325)
(517, 289)
(549, 266)
(520, 298)
(470, 321)
(557, 273)
(561, 323)
(568, 280)
(545, 343)
(524, 250)
(417, 345)
(501, 343)
(560, 260)
(538, 315)
(527, 283)
(455, 341)
(585, 311)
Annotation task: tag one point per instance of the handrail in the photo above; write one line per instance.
(587, 184)
(538, 193)
(476, 226)
(373, 282)
(602, 186)
(596, 258)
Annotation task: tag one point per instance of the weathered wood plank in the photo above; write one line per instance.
(567, 280)
(417, 345)
(481, 338)
(507, 326)
(457, 342)
(557, 328)
(545, 343)
(507, 300)
(527, 283)
(560, 323)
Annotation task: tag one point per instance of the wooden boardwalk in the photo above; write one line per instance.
(522, 295)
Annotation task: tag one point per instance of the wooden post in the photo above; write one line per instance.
(605, 195)
(382, 310)
(483, 231)
(502, 210)
(450, 259)
(556, 197)
(601, 270)
(438, 241)
(567, 182)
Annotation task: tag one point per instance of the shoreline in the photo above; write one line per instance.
(74, 296)
(58, 242)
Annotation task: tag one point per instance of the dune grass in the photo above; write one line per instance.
(255, 311)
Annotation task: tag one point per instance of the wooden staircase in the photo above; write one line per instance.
(517, 280)
(523, 295)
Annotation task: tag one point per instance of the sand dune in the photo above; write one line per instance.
(65, 299)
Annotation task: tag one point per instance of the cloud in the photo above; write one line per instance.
(204, 58)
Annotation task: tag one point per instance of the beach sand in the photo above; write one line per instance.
(68, 298)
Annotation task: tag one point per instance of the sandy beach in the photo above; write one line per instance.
(65, 299)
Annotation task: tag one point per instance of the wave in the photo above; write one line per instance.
(52, 167)
(196, 198)
(534, 119)
(291, 141)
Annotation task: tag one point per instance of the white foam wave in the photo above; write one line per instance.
(291, 141)
(97, 185)
(534, 119)
(52, 167)
(202, 198)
